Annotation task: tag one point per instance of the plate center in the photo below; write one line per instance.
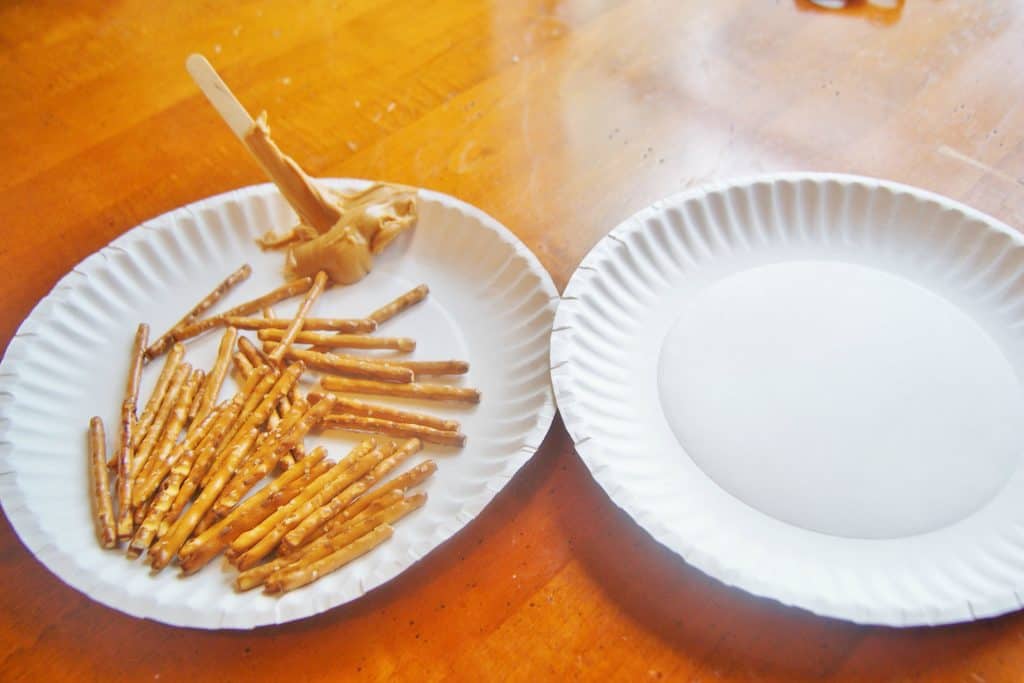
(841, 399)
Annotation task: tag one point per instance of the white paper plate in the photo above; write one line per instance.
(490, 302)
(808, 386)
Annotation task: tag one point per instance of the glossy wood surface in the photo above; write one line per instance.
(560, 119)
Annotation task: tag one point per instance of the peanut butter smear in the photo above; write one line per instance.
(338, 233)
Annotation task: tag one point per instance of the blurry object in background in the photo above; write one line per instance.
(875, 11)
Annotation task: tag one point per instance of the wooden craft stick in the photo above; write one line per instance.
(285, 291)
(427, 392)
(218, 292)
(314, 292)
(102, 501)
(393, 308)
(347, 325)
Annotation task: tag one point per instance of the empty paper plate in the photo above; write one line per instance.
(809, 387)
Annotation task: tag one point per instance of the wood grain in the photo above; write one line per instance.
(560, 119)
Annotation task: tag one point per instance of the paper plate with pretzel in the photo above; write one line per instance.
(266, 403)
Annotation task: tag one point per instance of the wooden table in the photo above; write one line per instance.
(560, 119)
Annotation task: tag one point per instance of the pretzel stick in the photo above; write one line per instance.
(145, 486)
(156, 429)
(161, 344)
(157, 397)
(131, 392)
(264, 380)
(218, 372)
(296, 577)
(268, 313)
(312, 523)
(312, 294)
(205, 459)
(325, 546)
(285, 291)
(423, 368)
(233, 454)
(255, 356)
(418, 367)
(212, 541)
(350, 365)
(204, 547)
(160, 504)
(181, 525)
(248, 437)
(129, 425)
(351, 406)
(393, 308)
(292, 429)
(254, 537)
(160, 459)
(349, 325)
(371, 425)
(242, 365)
(197, 397)
(102, 502)
(427, 392)
(206, 453)
(364, 504)
(330, 340)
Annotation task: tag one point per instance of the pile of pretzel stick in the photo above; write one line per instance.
(193, 477)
